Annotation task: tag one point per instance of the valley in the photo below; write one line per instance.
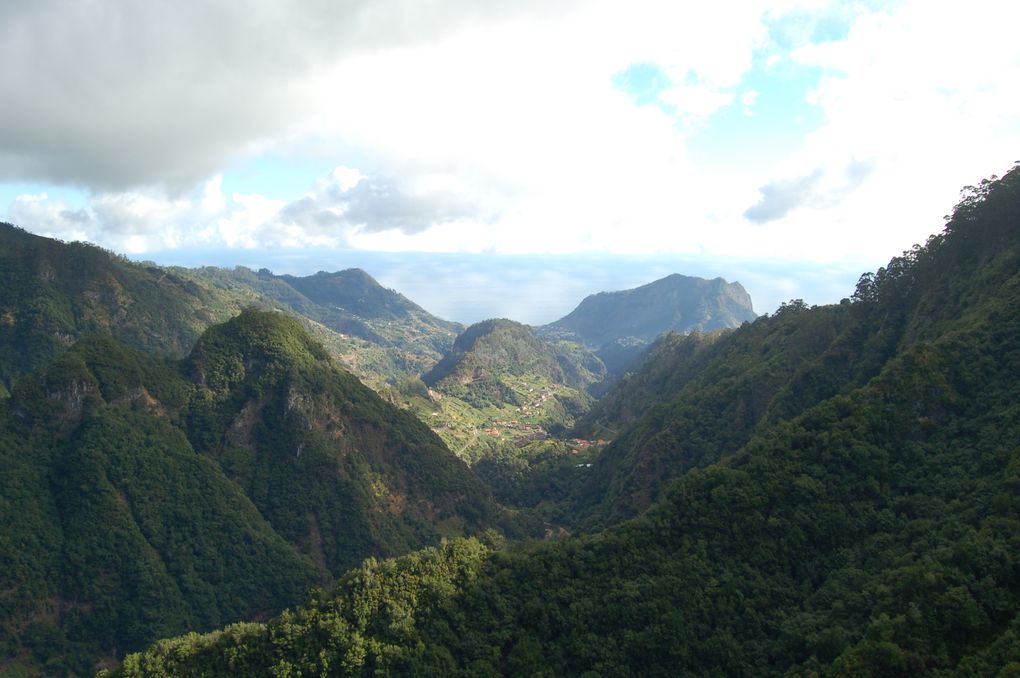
(841, 502)
(233, 472)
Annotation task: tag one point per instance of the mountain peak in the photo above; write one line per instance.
(354, 291)
(498, 346)
(675, 302)
(252, 343)
(467, 339)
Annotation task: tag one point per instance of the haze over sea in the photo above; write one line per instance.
(537, 289)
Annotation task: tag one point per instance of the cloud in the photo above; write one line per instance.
(148, 101)
(339, 208)
(376, 204)
(494, 126)
(121, 94)
(923, 90)
(126, 222)
(748, 99)
(779, 198)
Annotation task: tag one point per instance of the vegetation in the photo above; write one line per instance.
(377, 333)
(502, 384)
(777, 367)
(143, 497)
(332, 466)
(854, 510)
(486, 351)
(53, 293)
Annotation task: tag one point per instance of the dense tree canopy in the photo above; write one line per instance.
(143, 497)
(845, 501)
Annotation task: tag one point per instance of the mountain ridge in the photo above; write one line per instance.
(619, 326)
(863, 521)
(146, 496)
(691, 303)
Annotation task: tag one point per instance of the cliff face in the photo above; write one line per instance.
(620, 326)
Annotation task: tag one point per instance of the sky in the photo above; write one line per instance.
(490, 157)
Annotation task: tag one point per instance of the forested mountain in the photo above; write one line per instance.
(847, 504)
(52, 293)
(332, 466)
(143, 496)
(777, 367)
(618, 325)
(500, 387)
(489, 350)
(376, 332)
(695, 400)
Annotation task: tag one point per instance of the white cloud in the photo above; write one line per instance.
(923, 91)
(817, 189)
(120, 94)
(343, 208)
(473, 127)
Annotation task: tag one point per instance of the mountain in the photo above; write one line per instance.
(378, 333)
(697, 398)
(332, 466)
(492, 348)
(773, 369)
(864, 520)
(359, 294)
(617, 324)
(146, 496)
(502, 385)
(115, 530)
(664, 368)
(52, 293)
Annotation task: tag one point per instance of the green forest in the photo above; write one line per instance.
(147, 496)
(825, 491)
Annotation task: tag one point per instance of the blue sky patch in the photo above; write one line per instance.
(643, 83)
(275, 175)
(72, 197)
(764, 130)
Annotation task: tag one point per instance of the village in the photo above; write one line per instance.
(520, 430)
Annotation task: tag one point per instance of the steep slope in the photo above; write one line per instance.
(115, 531)
(376, 332)
(52, 293)
(776, 367)
(873, 532)
(619, 324)
(143, 497)
(359, 294)
(491, 348)
(333, 467)
(691, 403)
(500, 383)
(667, 365)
